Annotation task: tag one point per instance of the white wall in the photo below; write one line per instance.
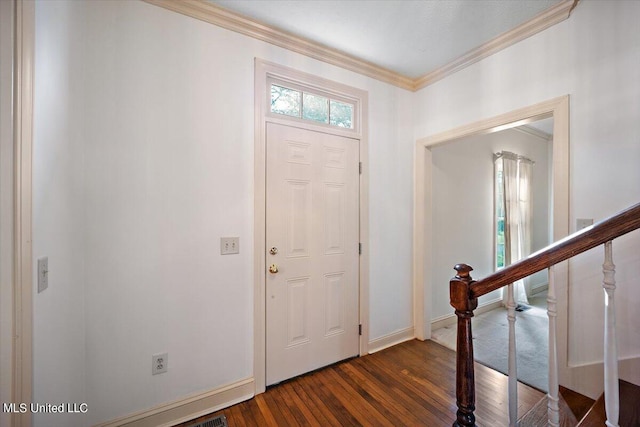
(594, 56)
(59, 367)
(144, 149)
(144, 158)
(6, 205)
(462, 197)
(390, 211)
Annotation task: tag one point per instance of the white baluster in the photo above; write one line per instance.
(553, 407)
(611, 398)
(513, 369)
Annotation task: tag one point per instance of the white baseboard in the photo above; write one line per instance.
(540, 287)
(588, 379)
(391, 339)
(451, 319)
(182, 410)
(629, 370)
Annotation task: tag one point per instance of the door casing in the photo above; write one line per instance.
(263, 71)
(558, 108)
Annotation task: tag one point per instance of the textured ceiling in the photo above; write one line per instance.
(410, 37)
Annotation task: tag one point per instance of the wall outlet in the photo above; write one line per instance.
(43, 274)
(229, 245)
(160, 363)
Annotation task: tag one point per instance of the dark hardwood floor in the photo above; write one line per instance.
(629, 408)
(410, 384)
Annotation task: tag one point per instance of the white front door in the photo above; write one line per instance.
(312, 234)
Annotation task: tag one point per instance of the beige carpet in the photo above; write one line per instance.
(491, 346)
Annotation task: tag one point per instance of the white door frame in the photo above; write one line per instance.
(21, 287)
(263, 71)
(558, 108)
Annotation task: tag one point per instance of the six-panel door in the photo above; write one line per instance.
(312, 261)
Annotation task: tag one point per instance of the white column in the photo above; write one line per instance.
(611, 398)
(553, 407)
(513, 368)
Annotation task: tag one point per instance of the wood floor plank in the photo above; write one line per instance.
(269, 419)
(324, 418)
(579, 404)
(389, 398)
(271, 399)
(410, 384)
(382, 405)
(235, 416)
(323, 407)
(255, 414)
(329, 399)
(301, 412)
(356, 404)
(434, 409)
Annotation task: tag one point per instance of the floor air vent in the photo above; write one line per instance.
(522, 307)
(219, 421)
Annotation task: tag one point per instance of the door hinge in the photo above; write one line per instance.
(360, 248)
(359, 329)
(360, 168)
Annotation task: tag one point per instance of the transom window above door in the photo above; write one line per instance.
(311, 106)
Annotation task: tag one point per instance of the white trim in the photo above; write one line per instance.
(451, 319)
(422, 248)
(216, 15)
(547, 18)
(263, 71)
(23, 143)
(539, 288)
(391, 339)
(529, 130)
(557, 108)
(259, 230)
(588, 377)
(182, 410)
(7, 190)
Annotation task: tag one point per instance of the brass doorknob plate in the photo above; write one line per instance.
(273, 269)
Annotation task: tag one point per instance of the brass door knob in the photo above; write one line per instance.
(273, 269)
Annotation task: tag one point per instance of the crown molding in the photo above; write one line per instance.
(538, 23)
(214, 14)
(209, 12)
(529, 130)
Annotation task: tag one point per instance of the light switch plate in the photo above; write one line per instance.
(229, 245)
(43, 274)
(583, 223)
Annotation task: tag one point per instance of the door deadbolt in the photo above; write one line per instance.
(273, 250)
(273, 269)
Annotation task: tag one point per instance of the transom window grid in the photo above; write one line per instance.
(293, 101)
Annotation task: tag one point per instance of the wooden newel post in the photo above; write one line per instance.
(459, 291)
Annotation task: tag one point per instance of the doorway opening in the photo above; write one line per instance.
(520, 213)
(429, 293)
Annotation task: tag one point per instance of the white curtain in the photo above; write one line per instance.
(516, 191)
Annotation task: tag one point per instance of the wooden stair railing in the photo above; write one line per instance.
(464, 293)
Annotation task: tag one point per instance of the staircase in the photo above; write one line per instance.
(629, 408)
(620, 403)
(590, 413)
(573, 407)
